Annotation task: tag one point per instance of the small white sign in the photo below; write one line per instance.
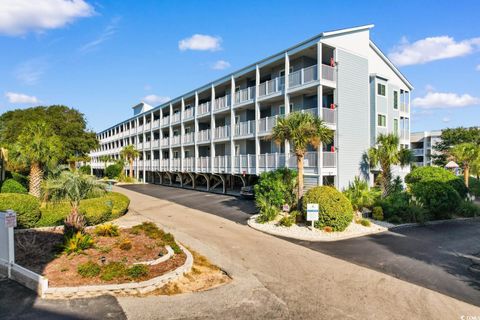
(286, 208)
(312, 211)
(10, 219)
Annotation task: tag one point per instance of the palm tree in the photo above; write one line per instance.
(3, 162)
(37, 146)
(72, 161)
(72, 186)
(301, 130)
(466, 154)
(130, 153)
(105, 159)
(386, 153)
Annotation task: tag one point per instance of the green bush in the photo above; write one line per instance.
(13, 186)
(474, 185)
(89, 269)
(335, 210)
(397, 206)
(113, 171)
(468, 209)
(365, 223)
(107, 230)
(137, 271)
(273, 190)
(86, 169)
(289, 220)
(53, 214)
(113, 270)
(26, 206)
(20, 178)
(377, 213)
(96, 210)
(437, 174)
(360, 194)
(78, 243)
(120, 203)
(395, 219)
(439, 198)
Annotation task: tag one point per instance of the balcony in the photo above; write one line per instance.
(245, 129)
(156, 143)
(156, 124)
(147, 126)
(140, 128)
(417, 152)
(329, 159)
(204, 108)
(265, 125)
(165, 121)
(188, 138)
(146, 145)
(140, 145)
(176, 140)
(329, 115)
(176, 117)
(270, 161)
(244, 163)
(164, 142)
(188, 114)
(164, 164)
(222, 133)
(203, 164)
(189, 164)
(302, 76)
(271, 86)
(203, 135)
(222, 103)
(176, 164)
(328, 73)
(245, 95)
(221, 164)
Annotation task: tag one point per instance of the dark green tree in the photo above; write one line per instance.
(451, 137)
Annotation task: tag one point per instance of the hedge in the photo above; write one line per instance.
(13, 186)
(437, 174)
(96, 210)
(439, 198)
(26, 206)
(334, 209)
(113, 171)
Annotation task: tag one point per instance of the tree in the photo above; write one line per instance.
(105, 159)
(129, 153)
(451, 137)
(3, 162)
(37, 146)
(301, 130)
(466, 154)
(387, 153)
(67, 123)
(72, 161)
(73, 187)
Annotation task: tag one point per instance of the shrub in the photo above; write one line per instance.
(96, 210)
(86, 169)
(395, 219)
(289, 220)
(400, 206)
(120, 203)
(439, 198)
(13, 186)
(113, 270)
(53, 214)
(137, 271)
(78, 243)
(474, 185)
(125, 244)
(334, 208)
(89, 269)
(107, 230)
(26, 206)
(365, 222)
(360, 194)
(377, 213)
(437, 174)
(113, 171)
(150, 229)
(468, 209)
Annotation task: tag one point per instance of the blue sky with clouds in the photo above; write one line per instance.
(102, 57)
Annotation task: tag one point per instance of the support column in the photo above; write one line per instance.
(182, 134)
(286, 102)
(257, 116)
(170, 136)
(212, 129)
(319, 112)
(232, 124)
(196, 156)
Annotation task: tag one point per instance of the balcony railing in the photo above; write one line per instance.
(244, 95)
(329, 159)
(204, 108)
(165, 121)
(188, 113)
(188, 137)
(176, 164)
(140, 128)
(302, 76)
(271, 86)
(146, 145)
(328, 73)
(222, 103)
(329, 115)
(221, 164)
(203, 164)
(176, 117)
(222, 132)
(203, 135)
(147, 126)
(244, 163)
(156, 123)
(156, 143)
(164, 142)
(175, 140)
(271, 161)
(189, 164)
(266, 124)
(245, 128)
(164, 164)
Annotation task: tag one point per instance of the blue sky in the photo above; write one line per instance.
(102, 57)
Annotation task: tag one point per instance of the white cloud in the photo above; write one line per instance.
(220, 65)
(106, 34)
(445, 119)
(18, 17)
(442, 100)
(431, 49)
(30, 71)
(478, 68)
(154, 99)
(20, 98)
(200, 42)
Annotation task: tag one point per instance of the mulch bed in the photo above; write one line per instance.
(40, 251)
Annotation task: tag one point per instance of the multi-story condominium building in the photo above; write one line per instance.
(422, 145)
(216, 136)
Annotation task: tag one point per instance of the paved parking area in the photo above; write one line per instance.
(436, 257)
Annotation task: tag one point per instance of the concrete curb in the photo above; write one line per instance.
(430, 223)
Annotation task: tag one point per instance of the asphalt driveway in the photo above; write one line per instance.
(437, 257)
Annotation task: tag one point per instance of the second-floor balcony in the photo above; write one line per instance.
(176, 117)
(188, 113)
(302, 76)
(329, 115)
(328, 73)
(266, 124)
(176, 140)
(203, 108)
(203, 135)
(222, 103)
(156, 124)
(188, 138)
(165, 121)
(271, 86)
(245, 95)
(245, 128)
(164, 142)
(222, 133)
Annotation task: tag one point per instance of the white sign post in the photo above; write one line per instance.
(10, 219)
(312, 213)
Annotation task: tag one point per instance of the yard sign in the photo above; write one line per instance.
(10, 219)
(312, 212)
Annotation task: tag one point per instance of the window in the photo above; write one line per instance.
(395, 126)
(282, 109)
(237, 149)
(382, 120)
(381, 89)
(188, 130)
(395, 99)
(187, 154)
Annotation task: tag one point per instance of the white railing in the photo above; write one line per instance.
(147, 126)
(140, 128)
(175, 140)
(222, 102)
(266, 124)
(245, 95)
(310, 160)
(165, 121)
(164, 142)
(329, 115)
(221, 164)
(140, 145)
(270, 161)
(176, 117)
(164, 164)
(204, 108)
(222, 132)
(156, 143)
(139, 163)
(417, 152)
(189, 164)
(156, 123)
(329, 159)
(244, 163)
(203, 135)
(302, 76)
(146, 145)
(245, 128)
(271, 86)
(188, 137)
(203, 164)
(328, 73)
(176, 164)
(188, 113)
